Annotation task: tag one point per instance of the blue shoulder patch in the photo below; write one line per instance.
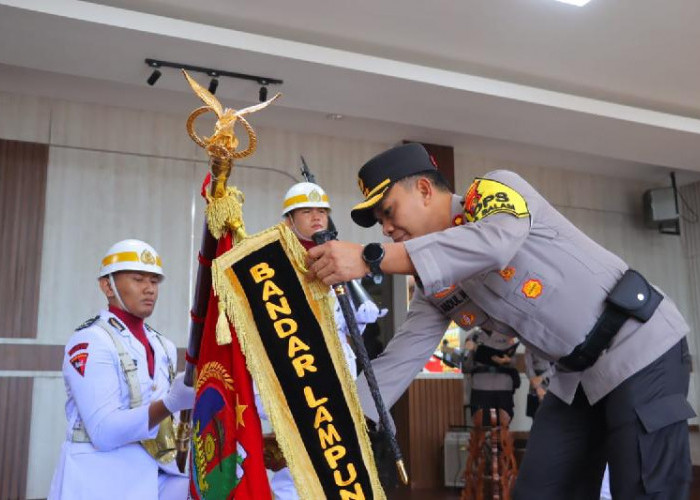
(89, 322)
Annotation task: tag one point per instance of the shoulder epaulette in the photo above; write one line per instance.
(152, 329)
(116, 324)
(89, 322)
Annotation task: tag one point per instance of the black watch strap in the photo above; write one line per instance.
(373, 254)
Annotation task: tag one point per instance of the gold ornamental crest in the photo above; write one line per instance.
(148, 258)
(314, 196)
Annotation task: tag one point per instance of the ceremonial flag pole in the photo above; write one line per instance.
(343, 292)
(227, 453)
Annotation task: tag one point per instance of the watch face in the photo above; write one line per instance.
(373, 252)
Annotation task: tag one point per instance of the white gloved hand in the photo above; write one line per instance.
(368, 312)
(179, 397)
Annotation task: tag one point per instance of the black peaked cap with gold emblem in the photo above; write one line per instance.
(379, 173)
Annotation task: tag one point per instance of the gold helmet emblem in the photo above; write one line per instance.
(147, 257)
(314, 196)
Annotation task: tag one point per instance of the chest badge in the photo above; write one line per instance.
(507, 273)
(467, 319)
(532, 288)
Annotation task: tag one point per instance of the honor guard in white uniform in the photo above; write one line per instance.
(306, 210)
(502, 257)
(122, 391)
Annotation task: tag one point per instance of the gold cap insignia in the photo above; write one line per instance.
(314, 196)
(147, 258)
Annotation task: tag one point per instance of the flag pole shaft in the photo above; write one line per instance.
(220, 170)
(342, 294)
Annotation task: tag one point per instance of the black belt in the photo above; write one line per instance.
(632, 297)
(492, 369)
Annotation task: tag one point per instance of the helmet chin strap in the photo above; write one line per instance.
(116, 293)
(295, 230)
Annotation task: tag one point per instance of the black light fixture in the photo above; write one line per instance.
(214, 74)
(156, 73)
(214, 83)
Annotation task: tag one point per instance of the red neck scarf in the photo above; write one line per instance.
(308, 244)
(135, 326)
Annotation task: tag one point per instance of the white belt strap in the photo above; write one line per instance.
(128, 366)
(171, 365)
(129, 369)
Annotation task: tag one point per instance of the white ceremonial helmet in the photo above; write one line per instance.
(305, 195)
(131, 255)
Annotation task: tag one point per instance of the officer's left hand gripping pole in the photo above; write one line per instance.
(342, 293)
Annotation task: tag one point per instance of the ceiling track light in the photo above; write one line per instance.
(155, 75)
(214, 83)
(214, 74)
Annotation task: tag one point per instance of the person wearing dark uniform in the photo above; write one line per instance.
(503, 257)
(490, 363)
(489, 360)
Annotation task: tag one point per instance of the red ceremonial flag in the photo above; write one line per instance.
(227, 449)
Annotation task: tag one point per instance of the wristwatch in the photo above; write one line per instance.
(372, 254)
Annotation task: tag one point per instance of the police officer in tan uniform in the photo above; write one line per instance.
(502, 257)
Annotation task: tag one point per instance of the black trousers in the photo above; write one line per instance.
(485, 400)
(640, 429)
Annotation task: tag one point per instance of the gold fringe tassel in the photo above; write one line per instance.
(225, 213)
(223, 332)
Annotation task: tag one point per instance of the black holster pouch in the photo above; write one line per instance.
(632, 297)
(635, 296)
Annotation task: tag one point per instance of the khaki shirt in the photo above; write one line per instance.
(539, 277)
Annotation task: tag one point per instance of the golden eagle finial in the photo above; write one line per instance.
(224, 141)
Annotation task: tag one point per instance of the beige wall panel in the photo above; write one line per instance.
(48, 431)
(112, 128)
(24, 118)
(95, 199)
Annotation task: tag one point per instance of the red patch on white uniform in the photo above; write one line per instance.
(79, 361)
(78, 347)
